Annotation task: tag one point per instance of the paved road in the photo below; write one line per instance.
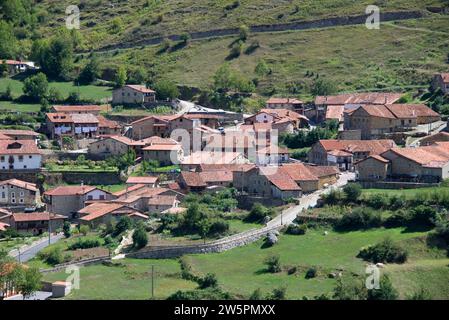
(308, 201)
(31, 251)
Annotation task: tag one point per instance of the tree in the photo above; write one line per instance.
(54, 96)
(120, 77)
(352, 191)
(140, 238)
(166, 89)
(3, 68)
(223, 78)
(262, 69)
(30, 282)
(185, 37)
(36, 87)
(84, 230)
(90, 72)
(8, 42)
(322, 87)
(66, 229)
(385, 292)
(278, 294)
(124, 224)
(55, 56)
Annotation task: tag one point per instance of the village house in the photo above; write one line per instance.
(75, 125)
(283, 120)
(100, 213)
(68, 200)
(205, 180)
(285, 103)
(15, 192)
(19, 155)
(377, 121)
(441, 81)
(108, 127)
(79, 109)
(131, 94)
(419, 164)
(161, 203)
(332, 107)
(114, 146)
(12, 134)
(35, 222)
(15, 66)
(344, 153)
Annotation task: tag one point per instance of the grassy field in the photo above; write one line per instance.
(19, 107)
(131, 279)
(408, 193)
(240, 271)
(400, 54)
(89, 92)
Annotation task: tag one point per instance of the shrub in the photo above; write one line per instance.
(385, 251)
(84, 230)
(273, 264)
(360, 218)
(423, 215)
(140, 238)
(385, 292)
(218, 227)
(257, 214)
(397, 219)
(352, 191)
(85, 244)
(333, 197)
(311, 273)
(296, 229)
(209, 281)
(256, 295)
(52, 256)
(66, 229)
(124, 224)
(278, 294)
(378, 201)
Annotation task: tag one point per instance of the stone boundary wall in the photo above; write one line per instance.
(298, 25)
(395, 185)
(165, 252)
(84, 262)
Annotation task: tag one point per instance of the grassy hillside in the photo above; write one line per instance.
(400, 54)
(106, 22)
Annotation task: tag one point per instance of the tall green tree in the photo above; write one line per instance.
(166, 89)
(90, 72)
(120, 77)
(8, 42)
(36, 87)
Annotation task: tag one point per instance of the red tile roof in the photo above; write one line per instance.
(126, 140)
(376, 110)
(298, 172)
(335, 112)
(359, 98)
(433, 156)
(323, 171)
(375, 157)
(411, 110)
(35, 216)
(106, 123)
(216, 176)
(18, 147)
(229, 167)
(351, 146)
(279, 179)
(140, 88)
(163, 147)
(192, 179)
(129, 189)
(69, 190)
(20, 184)
(141, 180)
(12, 132)
(162, 200)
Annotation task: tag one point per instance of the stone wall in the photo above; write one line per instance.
(165, 252)
(395, 185)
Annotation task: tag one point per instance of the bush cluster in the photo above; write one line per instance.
(385, 251)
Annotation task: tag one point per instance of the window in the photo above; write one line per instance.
(3, 195)
(102, 197)
(13, 194)
(21, 158)
(21, 200)
(13, 200)
(22, 193)
(2, 158)
(30, 157)
(89, 197)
